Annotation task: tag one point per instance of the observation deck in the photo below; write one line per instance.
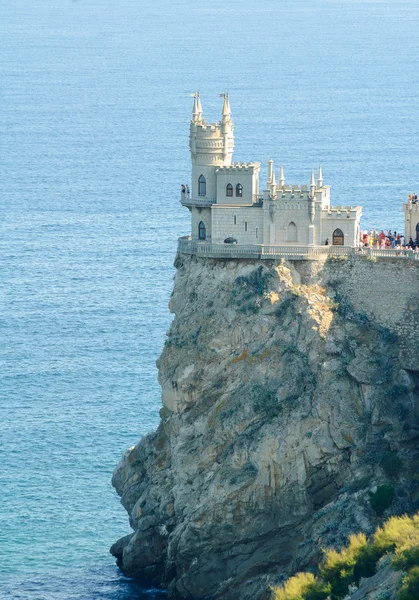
(186, 245)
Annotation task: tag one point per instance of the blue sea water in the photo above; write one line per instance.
(95, 102)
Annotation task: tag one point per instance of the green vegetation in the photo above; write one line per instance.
(391, 464)
(410, 587)
(257, 282)
(303, 586)
(382, 498)
(399, 536)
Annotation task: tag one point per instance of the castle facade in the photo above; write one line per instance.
(227, 207)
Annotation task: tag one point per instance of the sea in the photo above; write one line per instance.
(94, 122)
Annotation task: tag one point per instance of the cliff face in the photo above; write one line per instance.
(285, 405)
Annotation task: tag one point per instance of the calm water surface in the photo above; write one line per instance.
(95, 102)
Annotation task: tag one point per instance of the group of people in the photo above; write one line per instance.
(185, 190)
(413, 198)
(389, 240)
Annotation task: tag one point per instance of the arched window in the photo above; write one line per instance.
(202, 232)
(229, 190)
(257, 231)
(202, 186)
(235, 220)
(239, 190)
(338, 238)
(245, 225)
(417, 232)
(292, 232)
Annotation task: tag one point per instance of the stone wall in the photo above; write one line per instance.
(223, 225)
(284, 394)
(384, 291)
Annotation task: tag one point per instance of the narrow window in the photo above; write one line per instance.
(239, 190)
(202, 186)
(235, 220)
(202, 233)
(245, 225)
(338, 238)
(292, 232)
(257, 231)
(229, 190)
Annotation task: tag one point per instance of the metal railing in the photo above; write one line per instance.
(208, 250)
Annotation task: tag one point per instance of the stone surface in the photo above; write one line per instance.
(281, 396)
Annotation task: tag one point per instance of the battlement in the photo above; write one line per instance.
(227, 207)
(342, 212)
(238, 167)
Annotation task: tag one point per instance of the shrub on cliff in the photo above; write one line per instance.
(410, 586)
(304, 586)
(391, 464)
(382, 499)
(339, 569)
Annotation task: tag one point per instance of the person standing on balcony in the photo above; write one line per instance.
(188, 193)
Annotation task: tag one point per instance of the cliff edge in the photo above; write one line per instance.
(290, 402)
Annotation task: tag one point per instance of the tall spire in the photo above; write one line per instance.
(226, 107)
(281, 177)
(312, 184)
(320, 178)
(270, 171)
(273, 180)
(197, 109)
(199, 106)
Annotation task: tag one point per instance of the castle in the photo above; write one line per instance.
(226, 206)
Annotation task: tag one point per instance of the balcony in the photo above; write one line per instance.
(201, 201)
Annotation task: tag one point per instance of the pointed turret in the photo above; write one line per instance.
(226, 114)
(281, 177)
(312, 184)
(197, 109)
(320, 178)
(270, 172)
(273, 181)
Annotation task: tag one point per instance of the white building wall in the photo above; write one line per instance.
(234, 177)
(223, 225)
(347, 226)
(198, 215)
(411, 221)
(210, 177)
(292, 213)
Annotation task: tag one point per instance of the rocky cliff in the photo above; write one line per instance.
(289, 405)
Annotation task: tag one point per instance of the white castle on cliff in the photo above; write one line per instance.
(226, 205)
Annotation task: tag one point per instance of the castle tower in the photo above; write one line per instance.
(211, 147)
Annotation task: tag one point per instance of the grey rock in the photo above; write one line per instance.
(276, 411)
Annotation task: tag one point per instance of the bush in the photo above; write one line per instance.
(304, 586)
(391, 464)
(338, 567)
(382, 499)
(410, 586)
(257, 281)
(399, 535)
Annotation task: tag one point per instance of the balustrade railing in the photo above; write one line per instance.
(200, 201)
(206, 249)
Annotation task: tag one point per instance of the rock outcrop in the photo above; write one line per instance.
(285, 408)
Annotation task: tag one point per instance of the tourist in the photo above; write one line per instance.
(187, 191)
(326, 242)
(183, 190)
